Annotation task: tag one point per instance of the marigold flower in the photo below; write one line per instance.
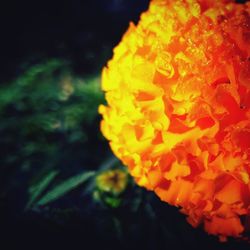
(178, 94)
(111, 184)
(112, 181)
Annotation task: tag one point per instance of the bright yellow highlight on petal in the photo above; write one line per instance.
(178, 109)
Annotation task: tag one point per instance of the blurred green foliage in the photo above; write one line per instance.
(49, 120)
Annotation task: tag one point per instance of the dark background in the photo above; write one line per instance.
(79, 30)
(83, 33)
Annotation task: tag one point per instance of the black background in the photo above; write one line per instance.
(79, 30)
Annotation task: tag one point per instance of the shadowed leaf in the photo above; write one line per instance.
(65, 187)
(37, 189)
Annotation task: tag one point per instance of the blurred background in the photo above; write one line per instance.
(60, 185)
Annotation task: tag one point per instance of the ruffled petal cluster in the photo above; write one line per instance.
(178, 109)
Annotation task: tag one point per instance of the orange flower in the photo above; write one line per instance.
(178, 94)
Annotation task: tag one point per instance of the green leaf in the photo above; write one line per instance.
(37, 189)
(65, 187)
(113, 202)
(118, 227)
